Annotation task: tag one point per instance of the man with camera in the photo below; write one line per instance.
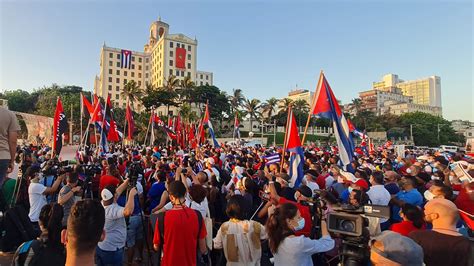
(37, 193)
(110, 250)
(67, 195)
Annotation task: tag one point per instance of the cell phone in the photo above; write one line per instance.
(462, 174)
(264, 196)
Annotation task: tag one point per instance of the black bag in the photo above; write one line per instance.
(17, 227)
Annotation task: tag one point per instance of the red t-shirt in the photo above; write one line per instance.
(405, 227)
(321, 181)
(107, 180)
(181, 233)
(463, 202)
(305, 213)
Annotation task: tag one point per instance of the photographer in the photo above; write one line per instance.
(37, 193)
(289, 249)
(110, 250)
(66, 195)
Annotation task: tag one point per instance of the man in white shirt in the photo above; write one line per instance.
(110, 250)
(378, 194)
(310, 181)
(37, 193)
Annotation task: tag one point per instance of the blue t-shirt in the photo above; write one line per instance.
(121, 201)
(392, 188)
(154, 194)
(345, 196)
(412, 197)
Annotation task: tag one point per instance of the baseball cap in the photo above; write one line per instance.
(362, 183)
(106, 194)
(398, 248)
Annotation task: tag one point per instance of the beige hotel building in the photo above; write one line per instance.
(165, 54)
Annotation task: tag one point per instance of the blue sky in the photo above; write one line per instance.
(263, 47)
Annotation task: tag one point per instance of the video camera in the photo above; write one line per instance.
(56, 168)
(135, 171)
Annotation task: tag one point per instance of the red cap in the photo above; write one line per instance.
(362, 183)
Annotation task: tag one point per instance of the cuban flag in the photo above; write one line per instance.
(207, 121)
(293, 145)
(325, 105)
(126, 57)
(272, 158)
(236, 127)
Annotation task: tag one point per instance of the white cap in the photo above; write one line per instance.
(106, 194)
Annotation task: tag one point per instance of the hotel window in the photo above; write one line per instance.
(110, 79)
(118, 56)
(201, 76)
(171, 53)
(117, 80)
(110, 63)
(182, 73)
(124, 81)
(189, 48)
(201, 83)
(111, 55)
(110, 71)
(133, 74)
(189, 74)
(139, 83)
(133, 58)
(110, 87)
(118, 64)
(116, 96)
(133, 66)
(189, 56)
(177, 72)
(171, 62)
(189, 65)
(171, 44)
(146, 68)
(146, 60)
(139, 67)
(177, 44)
(171, 72)
(125, 73)
(139, 60)
(207, 77)
(139, 75)
(117, 88)
(118, 72)
(146, 75)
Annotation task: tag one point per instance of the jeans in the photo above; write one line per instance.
(4, 164)
(108, 258)
(134, 230)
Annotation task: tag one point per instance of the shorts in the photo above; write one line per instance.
(108, 258)
(134, 230)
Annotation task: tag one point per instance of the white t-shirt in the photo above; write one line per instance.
(312, 185)
(115, 228)
(297, 250)
(37, 200)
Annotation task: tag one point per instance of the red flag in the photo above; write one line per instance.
(292, 136)
(87, 104)
(130, 122)
(351, 126)
(96, 100)
(113, 134)
(97, 114)
(59, 127)
(321, 104)
(180, 57)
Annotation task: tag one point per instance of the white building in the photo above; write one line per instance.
(164, 55)
(301, 94)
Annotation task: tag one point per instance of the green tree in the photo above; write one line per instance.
(268, 107)
(283, 105)
(131, 91)
(252, 108)
(236, 99)
(20, 101)
(425, 129)
(301, 110)
(218, 103)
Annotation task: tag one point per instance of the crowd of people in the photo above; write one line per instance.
(169, 205)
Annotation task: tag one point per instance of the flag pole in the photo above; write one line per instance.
(148, 128)
(80, 118)
(125, 123)
(285, 140)
(103, 122)
(313, 104)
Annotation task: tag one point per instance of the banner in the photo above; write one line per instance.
(126, 59)
(59, 127)
(180, 57)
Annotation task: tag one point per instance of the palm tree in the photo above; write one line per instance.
(186, 90)
(252, 108)
(236, 99)
(171, 84)
(131, 91)
(284, 104)
(268, 107)
(301, 108)
(357, 103)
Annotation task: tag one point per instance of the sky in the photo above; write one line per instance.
(265, 48)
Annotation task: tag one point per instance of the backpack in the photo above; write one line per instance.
(42, 254)
(200, 258)
(17, 228)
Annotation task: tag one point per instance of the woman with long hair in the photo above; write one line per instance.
(412, 220)
(47, 249)
(240, 238)
(287, 248)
